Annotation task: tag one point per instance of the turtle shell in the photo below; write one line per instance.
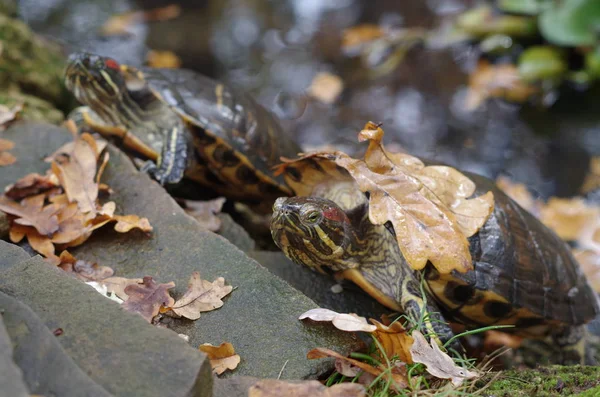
(524, 274)
(239, 139)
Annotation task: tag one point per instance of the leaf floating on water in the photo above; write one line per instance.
(438, 363)
(222, 357)
(312, 388)
(201, 296)
(342, 321)
(147, 298)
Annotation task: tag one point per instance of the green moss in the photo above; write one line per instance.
(546, 381)
(34, 108)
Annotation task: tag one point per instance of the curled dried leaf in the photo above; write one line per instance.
(201, 296)
(395, 340)
(311, 388)
(117, 285)
(222, 357)
(147, 298)
(342, 321)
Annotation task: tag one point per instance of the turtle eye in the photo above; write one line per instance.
(312, 216)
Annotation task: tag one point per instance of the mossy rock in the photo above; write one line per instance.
(545, 381)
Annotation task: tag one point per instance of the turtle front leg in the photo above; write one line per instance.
(172, 162)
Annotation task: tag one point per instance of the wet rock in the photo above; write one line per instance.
(47, 369)
(119, 350)
(11, 377)
(320, 288)
(236, 234)
(260, 317)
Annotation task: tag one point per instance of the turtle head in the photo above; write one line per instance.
(312, 231)
(94, 79)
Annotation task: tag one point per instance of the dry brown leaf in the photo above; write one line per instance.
(394, 339)
(589, 260)
(496, 81)
(5, 144)
(342, 321)
(592, 179)
(126, 223)
(205, 212)
(438, 363)
(147, 298)
(309, 388)
(326, 87)
(398, 380)
(356, 36)
(31, 184)
(83, 270)
(120, 24)
(7, 115)
(76, 173)
(7, 158)
(201, 296)
(569, 218)
(32, 212)
(221, 357)
(117, 285)
(495, 339)
(163, 59)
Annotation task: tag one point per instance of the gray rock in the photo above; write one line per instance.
(10, 255)
(11, 377)
(235, 386)
(319, 286)
(47, 369)
(119, 350)
(260, 317)
(236, 234)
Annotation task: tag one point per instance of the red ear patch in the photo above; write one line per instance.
(335, 214)
(111, 63)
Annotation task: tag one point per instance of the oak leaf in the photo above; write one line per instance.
(147, 298)
(205, 212)
(31, 184)
(342, 321)
(126, 223)
(395, 340)
(83, 270)
(201, 296)
(117, 285)
(7, 158)
(8, 115)
(311, 388)
(569, 218)
(221, 357)
(438, 363)
(32, 212)
(398, 380)
(6, 144)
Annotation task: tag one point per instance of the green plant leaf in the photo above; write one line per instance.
(571, 22)
(527, 7)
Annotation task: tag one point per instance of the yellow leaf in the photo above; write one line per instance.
(222, 357)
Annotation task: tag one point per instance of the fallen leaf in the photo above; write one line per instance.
(163, 59)
(221, 357)
(345, 322)
(83, 270)
(326, 87)
(120, 24)
(398, 381)
(205, 212)
(201, 296)
(355, 37)
(8, 115)
(346, 369)
(5, 144)
(519, 193)
(311, 388)
(569, 218)
(495, 339)
(117, 285)
(31, 184)
(394, 340)
(438, 363)
(7, 158)
(497, 81)
(31, 211)
(126, 223)
(147, 298)
(589, 259)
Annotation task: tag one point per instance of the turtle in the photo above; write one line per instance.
(200, 128)
(523, 274)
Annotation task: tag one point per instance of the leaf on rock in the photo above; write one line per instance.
(398, 380)
(32, 212)
(7, 158)
(126, 223)
(569, 218)
(438, 363)
(83, 270)
(201, 296)
(589, 259)
(326, 87)
(342, 321)
(7, 115)
(221, 357)
(205, 212)
(394, 339)
(309, 388)
(519, 193)
(6, 144)
(117, 285)
(31, 184)
(147, 298)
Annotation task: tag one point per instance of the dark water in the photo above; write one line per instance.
(273, 49)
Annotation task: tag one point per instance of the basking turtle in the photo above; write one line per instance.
(524, 275)
(201, 128)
